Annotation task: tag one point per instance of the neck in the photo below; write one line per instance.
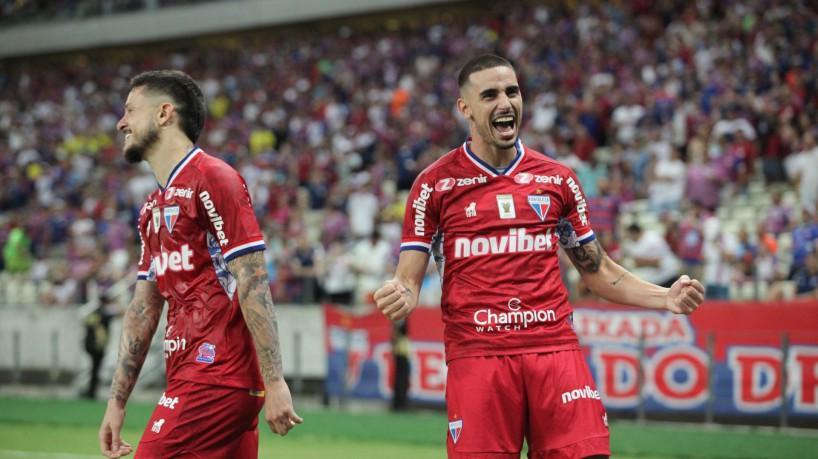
(165, 156)
(491, 154)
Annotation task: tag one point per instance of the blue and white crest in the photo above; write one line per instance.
(540, 204)
(455, 428)
(171, 214)
(207, 353)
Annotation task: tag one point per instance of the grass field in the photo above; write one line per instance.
(67, 429)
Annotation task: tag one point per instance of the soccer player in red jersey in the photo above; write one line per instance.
(202, 253)
(495, 212)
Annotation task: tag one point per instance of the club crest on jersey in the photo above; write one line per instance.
(455, 428)
(540, 204)
(505, 203)
(207, 353)
(157, 219)
(171, 215)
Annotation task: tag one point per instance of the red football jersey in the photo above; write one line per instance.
(190, 229)
(494, 236)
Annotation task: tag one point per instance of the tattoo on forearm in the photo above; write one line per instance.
(587, 258)
(259, 312)
(613, 283)
(138, 327)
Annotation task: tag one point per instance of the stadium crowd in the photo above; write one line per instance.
(691, 126)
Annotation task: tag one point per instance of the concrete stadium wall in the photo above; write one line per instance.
(179, 22)
(45, 341)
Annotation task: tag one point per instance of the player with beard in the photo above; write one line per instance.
(496, 212)
(202, 252)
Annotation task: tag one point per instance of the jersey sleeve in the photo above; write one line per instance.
(227, 211)
(145, 270)
(574, 227)
(420, 221)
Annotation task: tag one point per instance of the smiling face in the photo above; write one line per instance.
(492, 103)
(139, 126)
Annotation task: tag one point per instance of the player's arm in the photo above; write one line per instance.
(399, 297)
(256, 302)
(609, 280)
(138, 326)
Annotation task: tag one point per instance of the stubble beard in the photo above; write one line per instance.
(135, 153)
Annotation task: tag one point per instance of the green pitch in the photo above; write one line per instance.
(67, 429)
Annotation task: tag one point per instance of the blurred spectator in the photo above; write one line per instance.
(779, 217)
(719, 255)
(803, 171)
(338, 278)
(745, 257)
(780, 144)
(61, 289)
(806, 278)
(604, 208)
(304, 270)
(651, 256)
(804, 239)
(362, 206)
(17, 257)
(691, 240)
(97, 327)
(371, 261)
(626, 117)
(667, 183)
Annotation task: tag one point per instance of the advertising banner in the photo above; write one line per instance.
(733, 359)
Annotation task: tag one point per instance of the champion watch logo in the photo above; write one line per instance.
(455, 428)
(171, 214)
(540, 204)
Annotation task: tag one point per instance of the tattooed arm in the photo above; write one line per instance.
(138, 327)
(607, 279)
(256, 303)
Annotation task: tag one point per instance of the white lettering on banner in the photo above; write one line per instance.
(579, 198)
(516, 241)
(610, 327)
(174, 261)
(585, 392)
(215, 218)
(419, 205)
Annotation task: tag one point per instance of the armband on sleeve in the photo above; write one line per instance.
(567, 235)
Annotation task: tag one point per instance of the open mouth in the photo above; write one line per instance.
(504, 125)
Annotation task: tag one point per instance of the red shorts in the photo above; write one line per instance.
(195, 420)
(548, 399)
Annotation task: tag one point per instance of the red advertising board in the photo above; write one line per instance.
(729, 358)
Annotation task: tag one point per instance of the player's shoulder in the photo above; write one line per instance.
(445, 164)
(542, 160)
(211, 169)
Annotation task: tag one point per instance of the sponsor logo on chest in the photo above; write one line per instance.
(176, 261)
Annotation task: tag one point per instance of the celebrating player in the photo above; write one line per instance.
(496, 212)
(202, 253)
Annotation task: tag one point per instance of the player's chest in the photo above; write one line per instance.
(172, 219)
(493, 203)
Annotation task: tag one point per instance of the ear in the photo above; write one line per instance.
(166, 114)
(464, 108)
